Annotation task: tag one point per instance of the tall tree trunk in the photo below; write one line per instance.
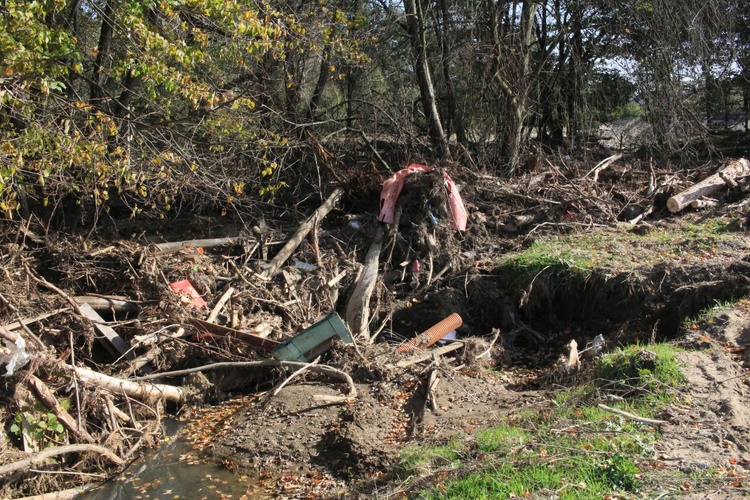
(415, 25)
(103, 49)
(323, 74)
(456, 117)
(513, 79)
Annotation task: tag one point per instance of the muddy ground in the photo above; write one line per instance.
(309, 440)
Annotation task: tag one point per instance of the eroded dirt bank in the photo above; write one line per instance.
(529, 275)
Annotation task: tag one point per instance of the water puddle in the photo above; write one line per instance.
(162, 474)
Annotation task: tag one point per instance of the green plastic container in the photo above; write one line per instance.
(314, 341)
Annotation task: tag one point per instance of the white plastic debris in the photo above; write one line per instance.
(14, 356)
(598, 345)
(304, 266)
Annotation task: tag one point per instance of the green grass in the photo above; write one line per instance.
(621, 250)
(569, 447)
(710, 314)
(500, 438)
(648, 373)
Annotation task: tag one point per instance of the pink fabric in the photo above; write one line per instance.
(392, 188)
(459, 217)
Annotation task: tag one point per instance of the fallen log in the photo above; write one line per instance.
(39, 458)
(68, 494)
(301, 233)
(358, 307)
(710, 184)
(138, 390)
(105, 304)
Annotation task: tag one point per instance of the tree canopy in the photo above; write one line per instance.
(155, 102)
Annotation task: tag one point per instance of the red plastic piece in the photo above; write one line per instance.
(186, 288)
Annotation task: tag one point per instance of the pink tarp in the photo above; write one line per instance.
(392, 188)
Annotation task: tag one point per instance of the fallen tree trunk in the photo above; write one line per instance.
(358, 307)
(40, 457)
(137, 390)
(112, 384)
(301, 233)
(710, 184)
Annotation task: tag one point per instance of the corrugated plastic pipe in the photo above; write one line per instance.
(432, 334)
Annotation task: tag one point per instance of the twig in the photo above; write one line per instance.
(302, 231)
(325, 369)
(492, 344)
(220, 305)
(622, 413)
(278, 388)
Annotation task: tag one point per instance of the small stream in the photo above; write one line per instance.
(161, 474)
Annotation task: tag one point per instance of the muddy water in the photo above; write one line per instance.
(162, 474)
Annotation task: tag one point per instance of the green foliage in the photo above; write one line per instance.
(39, 425)
(620, 473)
(650, 372)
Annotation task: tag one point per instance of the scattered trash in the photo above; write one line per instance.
(573, 362)
(313, 341)
(184, 287)
(598, 345)
(392, 188)
(415, 267)
(448, 336)
(355, 224)
(433, 334)
(14, 356)
(304, 266)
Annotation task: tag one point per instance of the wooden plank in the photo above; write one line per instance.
(28, 321)
(255, 341)
(430, 354)
(111, 340)
(176, 246)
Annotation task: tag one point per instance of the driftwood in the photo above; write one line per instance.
(301, 233)
(112, 384)
(68, 494)
(28, 321)
(44, 455)
(138, 390)
(710, 184)
(358, 307)
(602, 165)
(176, 246)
